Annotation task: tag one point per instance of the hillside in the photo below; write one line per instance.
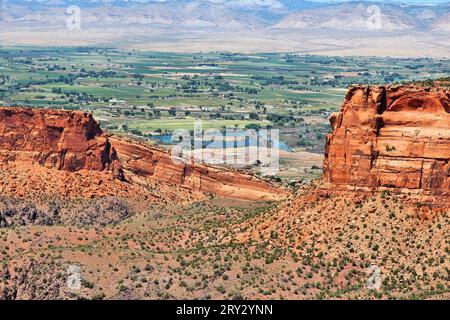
(325, 241)
(234, 14)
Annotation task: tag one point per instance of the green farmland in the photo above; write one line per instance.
(148, 93)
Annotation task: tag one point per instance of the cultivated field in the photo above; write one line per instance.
(151, 94)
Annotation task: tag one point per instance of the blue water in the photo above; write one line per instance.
(239, 143)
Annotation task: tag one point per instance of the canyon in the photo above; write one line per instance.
(139, 226)
(394, 138)
(68, 142)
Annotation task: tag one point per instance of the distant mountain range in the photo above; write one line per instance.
(247, 14)
(355, 16)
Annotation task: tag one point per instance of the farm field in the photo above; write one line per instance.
(151, 94)
(224, 155)
(161, 240)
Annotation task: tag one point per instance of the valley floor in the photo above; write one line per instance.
(308, 41)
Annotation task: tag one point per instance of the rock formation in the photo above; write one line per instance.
(74, 142)
(62, 140)
(391, 137)
(157, 164)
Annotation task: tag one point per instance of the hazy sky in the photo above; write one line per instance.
(405, 1)
(260, 2)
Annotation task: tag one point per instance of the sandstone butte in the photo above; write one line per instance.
(391, 138)
(73, 142)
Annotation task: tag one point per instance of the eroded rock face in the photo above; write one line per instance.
(391, 137)
(73, 141)
(62, 140)
(159, 165)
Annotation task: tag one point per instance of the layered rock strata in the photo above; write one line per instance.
(391, 137)
(74, 142)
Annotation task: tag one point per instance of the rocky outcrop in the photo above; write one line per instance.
(73, 142)
(62, 140)
(158, 165)
(393, 137)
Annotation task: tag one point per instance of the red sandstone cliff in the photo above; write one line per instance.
(391, 137)
(73, 141)
(62, 140)
(158, 165)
